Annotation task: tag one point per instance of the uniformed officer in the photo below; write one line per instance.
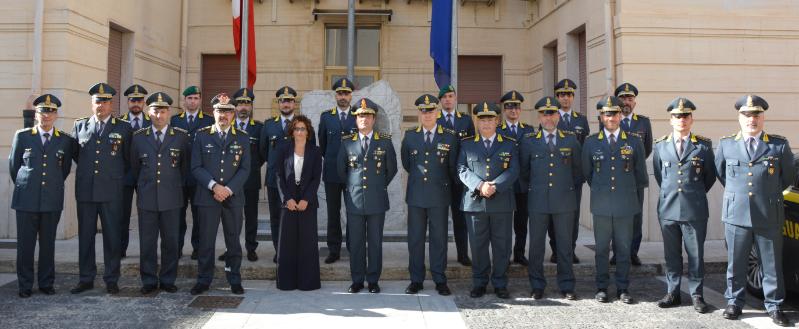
(39, 192)
(550, 166)
(243, 99)
(159, 159)
(191, 119)
(137, 119)
(613, 165)
(642, 128)
(463, 126)
(488, 166)
(511, 126)
(570, 120)
(274, 133)
(333, 124)
(102, 160)
(366, 163)
(220, 162)
(754, 167)
(683, 165)
(429, 153)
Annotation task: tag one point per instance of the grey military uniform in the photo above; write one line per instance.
(752, 211)
(366, 176)
(38, 172)
(102, 160)
(551, 175)
(489, 221)
(615, 174)
(684, 181)
(158, 163)
(431, 167)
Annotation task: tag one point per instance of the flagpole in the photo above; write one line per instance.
(245, 24)
(351, 40)
(454, 52)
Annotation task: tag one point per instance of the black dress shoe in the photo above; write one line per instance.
(25, 293)
(332, 258)
(47, 290)
(732, 312)
(112, 288)
(374, 288)
(124, 254)
(222, 257)
(601, 296)
(237, 289)
(252, 256)
(477, 292)
(199, 289)
(624, 296)
(635, 260)
(465, 261)
(699, 304)
(81, 287)
(554, 258)
(194, 255)
(613, 260)
(414, 288)
(537, 294)
(521, 260)
(502, 293)
(170, 288)
(147, 289)
(779, 318)
(274, 259)
(355, 288)
(670, 300)
(575, 260)
(569, 295)
(443, 289)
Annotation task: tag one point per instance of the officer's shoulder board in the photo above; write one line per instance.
(256, 122)
(640, 116)
(530, 134)
(180, 129)
(113, 120)
(730, 136)
(467, 137)
(776, 137)
(82, 119)
(141, 130)
(702, 138)
(594, 135)
(567, 132)
(19, 131)
(208, 128)
(330, 111)
(383, 135)
(348, 136)
(508, 138)
(665, 137)
(235, 130)
(448, 131)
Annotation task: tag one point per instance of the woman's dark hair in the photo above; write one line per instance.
(303, 119)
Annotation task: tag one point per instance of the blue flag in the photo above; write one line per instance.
(441, 41)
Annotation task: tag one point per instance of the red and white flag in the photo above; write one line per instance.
(251, 65)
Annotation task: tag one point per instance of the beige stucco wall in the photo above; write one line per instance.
(710, 51)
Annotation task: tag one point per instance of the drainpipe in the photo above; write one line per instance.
(610, 40)
(36, 62)
(184, 33)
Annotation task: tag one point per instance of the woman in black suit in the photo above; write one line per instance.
(299, 169)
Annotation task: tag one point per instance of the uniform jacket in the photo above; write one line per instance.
(366, 175)
(145, 122)
(201, 120)
(499, 164)
(102, 159)
(159, 171)
(331, 131)
(254, 128)
(431, 167)
(578, 124)
(684, 180)
(615, 175)
(39, 172)
(226, 162)
(523, 131)
(552, 177)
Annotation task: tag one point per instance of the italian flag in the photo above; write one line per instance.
(251, 65)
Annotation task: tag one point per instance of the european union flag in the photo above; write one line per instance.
(441, 41)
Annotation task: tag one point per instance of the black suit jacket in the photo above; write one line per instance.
(309, 177)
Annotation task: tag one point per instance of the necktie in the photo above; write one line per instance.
(100, 128)
(191, 119)
(626, 124)
(488, 144)
(136, 124)
(285, 126)
(365, 145)
(680, 147)
(427, 138)
(241, 125)
(224, 136)
(751, 147)
(343, 116)
(46, 139)
(567, 119)
(612, 139)
(449, 121)
(551, 142)
(513, 130)
(158, 138)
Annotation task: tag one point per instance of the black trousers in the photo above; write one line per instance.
(251, 197)
(419, 221)
(298, 252)
(153, 224)
(333, 194)
(520, 225)
(188, 198)
(459, 228)
(575, 226)
(110, 214)
(366, 246)
(231, 218)
(127, 206)
(29, 226)
(275, 204)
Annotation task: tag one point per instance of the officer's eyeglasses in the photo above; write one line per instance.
(302, 129)
(680, 115)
